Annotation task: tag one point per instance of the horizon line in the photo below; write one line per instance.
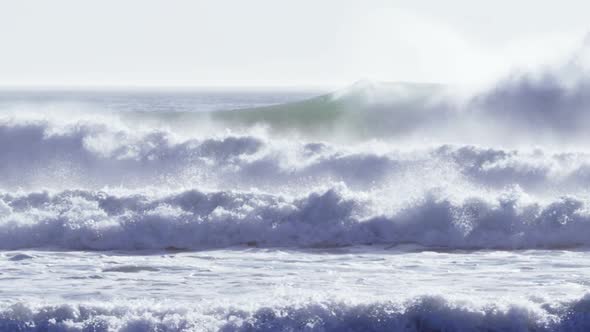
(189, 87)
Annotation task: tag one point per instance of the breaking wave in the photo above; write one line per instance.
(374, 164)
(419, 314)
(102, 185)
(40, 154)
(548, 106)
(203, 220)
(390, 168)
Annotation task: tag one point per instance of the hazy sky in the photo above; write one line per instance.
(275, 42)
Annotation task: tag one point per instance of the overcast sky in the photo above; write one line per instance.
(275, 42)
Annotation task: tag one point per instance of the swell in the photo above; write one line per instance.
(336, 217)
(419, 314)
(364, 110)
(548, 105)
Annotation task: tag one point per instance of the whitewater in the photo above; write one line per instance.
(378, 207)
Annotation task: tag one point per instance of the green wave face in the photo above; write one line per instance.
(360, 111)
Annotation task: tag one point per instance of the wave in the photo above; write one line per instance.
(541, 106)
(43, 154)
(363, 110)
(548, 105)
(525, 108)
(38, 153)
(205, 220)
(296, 175)
(419, 314)
(91, 185)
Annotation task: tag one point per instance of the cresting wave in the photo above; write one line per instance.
(419, 314)
(192, 219)
(91, 155)
(375, 164)
(87, 183)
(546, 106)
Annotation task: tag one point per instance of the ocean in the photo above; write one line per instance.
(379, 207)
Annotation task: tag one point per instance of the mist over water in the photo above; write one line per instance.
(374, 170)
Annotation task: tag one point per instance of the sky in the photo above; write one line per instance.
(279, 42)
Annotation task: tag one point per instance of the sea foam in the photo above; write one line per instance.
(419, 314)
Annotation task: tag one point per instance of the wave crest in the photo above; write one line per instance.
(204, 220)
